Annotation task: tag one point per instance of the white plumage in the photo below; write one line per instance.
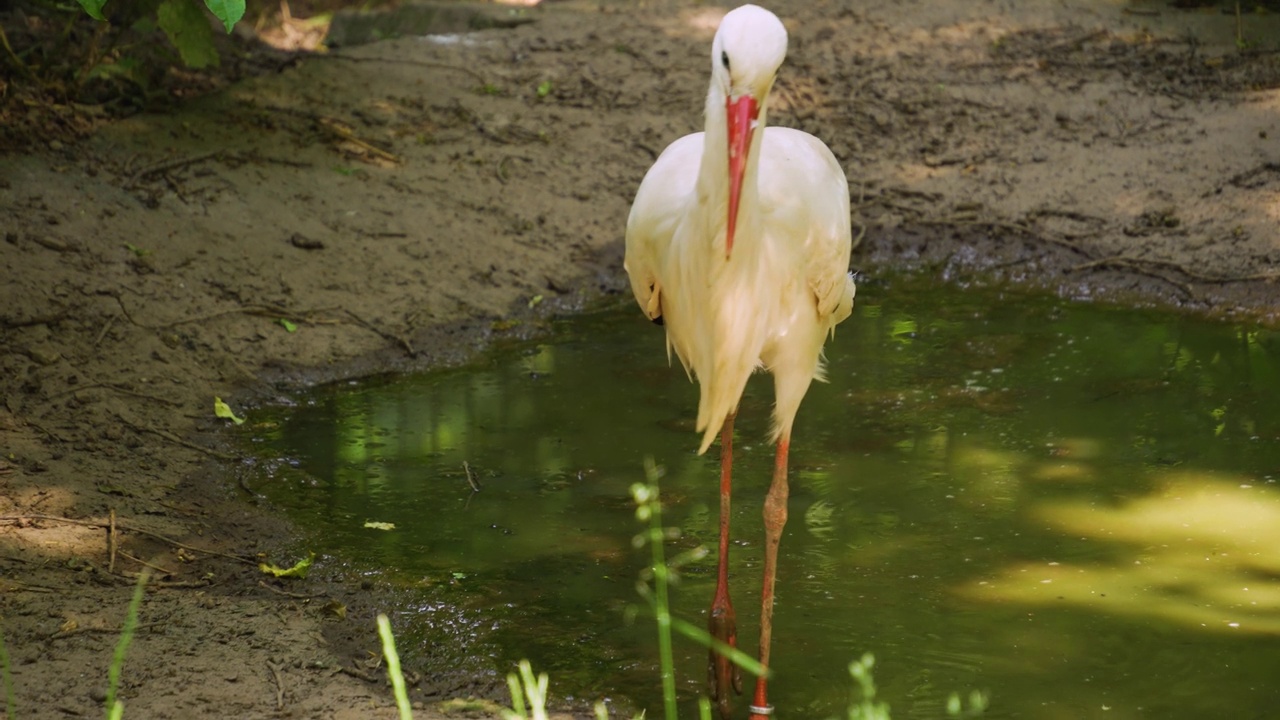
(739, 242)
(785, 286)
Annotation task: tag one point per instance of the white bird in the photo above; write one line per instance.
(738, 243)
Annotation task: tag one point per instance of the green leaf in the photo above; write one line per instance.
(535, 301)
(223, 410)
(188, 30)
(287, 325)
(544, 88)
(379, 525)
(299, 570)
(94, 8)
(228, 11)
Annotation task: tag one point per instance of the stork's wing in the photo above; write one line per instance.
(661, 202)
(803, 188)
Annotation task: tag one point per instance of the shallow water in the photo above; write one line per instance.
(1071, 507)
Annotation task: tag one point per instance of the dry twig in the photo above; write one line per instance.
(168, 165)
(387, 335)
(80, 630)
(126, 528)
(275, 675)
(112, 542)
(470, 480)
(157, 568)
(174, 438)
(357, 673)
(295, 596)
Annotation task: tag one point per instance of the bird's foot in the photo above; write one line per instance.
(760, 707)
(721, 672)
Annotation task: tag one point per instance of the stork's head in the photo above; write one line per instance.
(745, 56)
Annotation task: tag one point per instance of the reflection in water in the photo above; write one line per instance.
(1070, 506)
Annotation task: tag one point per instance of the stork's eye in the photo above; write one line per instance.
(724, 59)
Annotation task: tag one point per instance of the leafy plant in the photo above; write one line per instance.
(184, 23)
(867, 708)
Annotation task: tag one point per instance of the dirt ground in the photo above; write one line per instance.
(403, 203)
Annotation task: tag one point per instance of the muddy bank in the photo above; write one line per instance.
(399, 205)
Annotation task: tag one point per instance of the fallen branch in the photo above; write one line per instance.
(175, 439)
(126, 528)
(168, 165)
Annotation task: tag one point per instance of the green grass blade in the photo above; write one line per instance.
(393, 667)
(115, 708)
(517, 698)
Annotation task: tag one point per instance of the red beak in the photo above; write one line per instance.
(742, 120)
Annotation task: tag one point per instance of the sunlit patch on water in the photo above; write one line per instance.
(1072, 507)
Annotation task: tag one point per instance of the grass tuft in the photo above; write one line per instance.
(526, 686)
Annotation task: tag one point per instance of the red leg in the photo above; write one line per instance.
(721, 622)
(775, 517)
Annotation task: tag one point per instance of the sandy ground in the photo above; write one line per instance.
(402, 203)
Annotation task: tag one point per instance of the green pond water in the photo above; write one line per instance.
(1071, 507)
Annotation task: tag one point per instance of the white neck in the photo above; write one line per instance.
(713, 176)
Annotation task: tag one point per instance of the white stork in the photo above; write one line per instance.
(738, 243)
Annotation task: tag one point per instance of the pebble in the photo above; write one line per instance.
(44, 355)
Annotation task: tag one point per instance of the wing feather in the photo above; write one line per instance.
(661, 204)
(803, 186)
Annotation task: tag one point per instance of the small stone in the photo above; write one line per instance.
(44, 355)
